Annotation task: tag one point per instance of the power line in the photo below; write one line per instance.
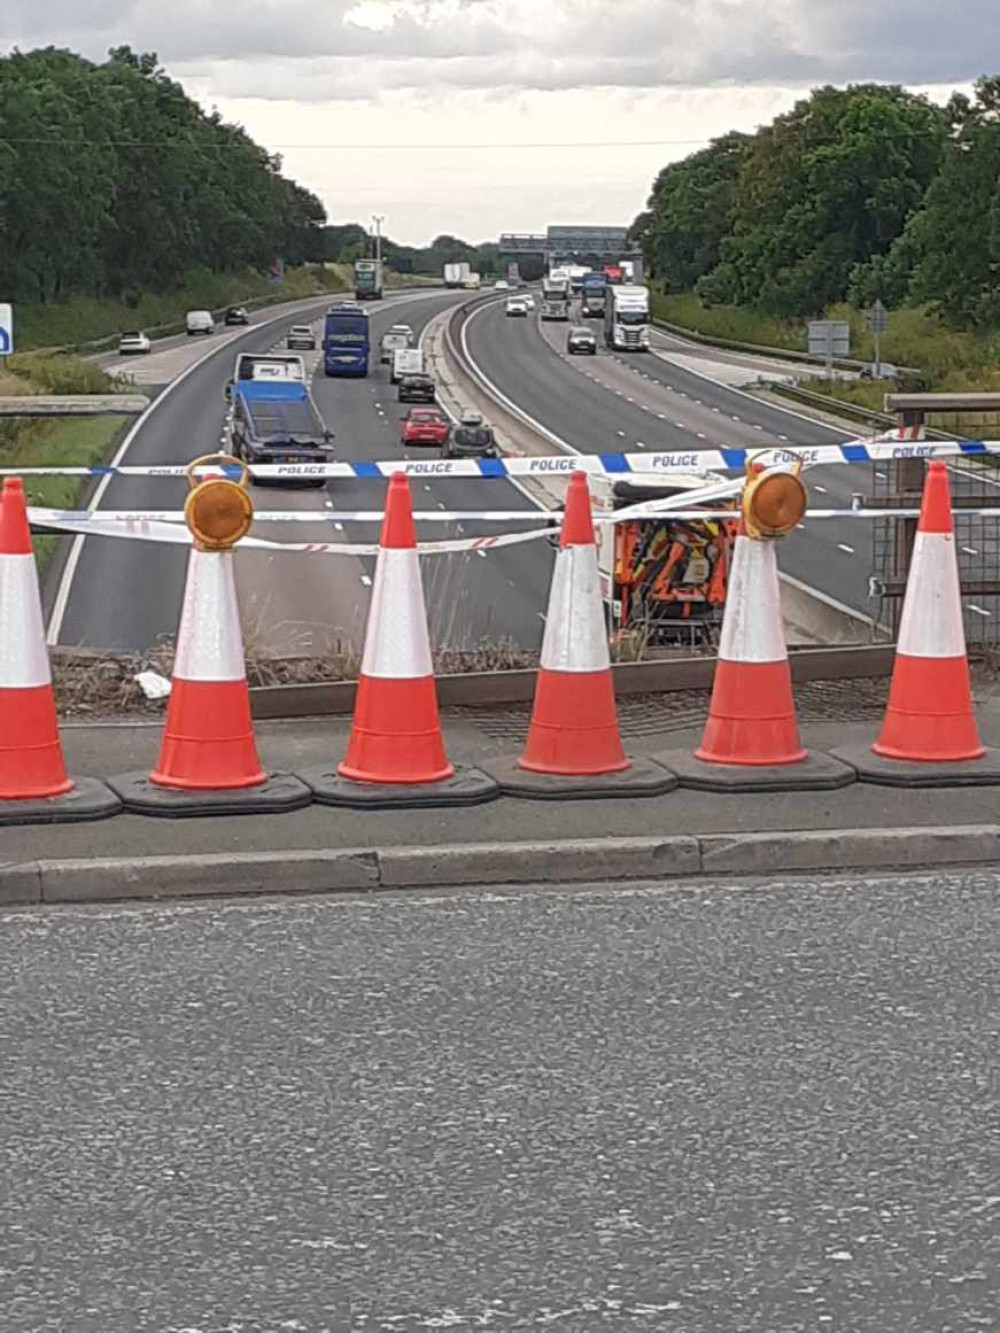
(354, 147)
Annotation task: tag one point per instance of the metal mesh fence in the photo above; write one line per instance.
(975, 482)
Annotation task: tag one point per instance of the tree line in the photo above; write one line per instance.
(114, 182)
(862, 193)
(346, 242)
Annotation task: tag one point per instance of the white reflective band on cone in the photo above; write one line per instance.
(24, 662)
(209, 642)
(751, 626)
(575, 635)
(396, 644)
(931, 623)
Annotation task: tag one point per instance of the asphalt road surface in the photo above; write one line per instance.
(128, 598)
(754, 1107)
(616, 402)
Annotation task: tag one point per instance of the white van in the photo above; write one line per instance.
(406, 361)
(399, 336)
(199, 321)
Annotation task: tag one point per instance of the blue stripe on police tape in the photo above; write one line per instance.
(972, 447)
(366, 470)
(614, 463)
(734, 457)
(855, 453)
(492, 467)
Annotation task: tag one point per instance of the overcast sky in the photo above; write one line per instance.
(327, 82)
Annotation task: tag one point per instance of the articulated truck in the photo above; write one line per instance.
(626, 319)
(368, 279)
(555, 296)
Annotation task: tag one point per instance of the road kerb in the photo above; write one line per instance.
(537, 862)
(679, 860)
(222, 876)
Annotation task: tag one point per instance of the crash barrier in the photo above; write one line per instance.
(893, 445)
(208, 761)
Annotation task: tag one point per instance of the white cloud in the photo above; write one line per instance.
(414, 72)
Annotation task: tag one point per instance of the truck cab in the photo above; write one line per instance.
(346, 340)
(395, 339)
(626, 319)
(271, 367)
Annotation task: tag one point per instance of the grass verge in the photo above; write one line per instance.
(83, 319)
(66, 442)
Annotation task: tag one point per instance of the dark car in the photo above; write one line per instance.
(580, 341)
(416, 389)
(471, 438)
(236, 314)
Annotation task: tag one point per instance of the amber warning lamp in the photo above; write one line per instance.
(218, 512)
(773, 502)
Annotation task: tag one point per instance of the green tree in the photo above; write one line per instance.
(824, 188)
(690, 213)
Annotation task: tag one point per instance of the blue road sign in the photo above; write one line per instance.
(6, 329)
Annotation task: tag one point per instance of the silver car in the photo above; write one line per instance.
(580, 341)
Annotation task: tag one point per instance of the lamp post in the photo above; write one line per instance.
(378, 219)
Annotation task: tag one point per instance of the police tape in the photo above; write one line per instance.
(169, 525)
(882, 448)
(137, 528)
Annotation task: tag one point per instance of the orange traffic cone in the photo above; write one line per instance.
(34, 785)
(208, 741)
(395, 754)
(208, 760)
(929, 718)
(396, 734)
(574, 747)
(31, 759)
(751, 719)
(751, 739)
(574, 725)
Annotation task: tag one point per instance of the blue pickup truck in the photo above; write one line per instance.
(276, 421)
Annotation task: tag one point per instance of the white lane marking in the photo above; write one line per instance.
(821, 489)
(643, 407)
(702, 435)
(482, 554)
(979, 610)
(662, 416)
(716, 409)
(735, 417)
(756, 427)
(328, 503)
(842, 546)
(640, 444)
(366, 580)
(339, 527)
(970, 550)
(801, 527)
(783, 437)
(426, 488)
(882, 476)
(622, 434)
(680, 425)
(61, 601)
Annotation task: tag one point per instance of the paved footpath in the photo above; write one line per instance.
(504, 827)
(757, 1107)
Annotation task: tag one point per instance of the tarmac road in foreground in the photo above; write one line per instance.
(733, 1106)
(126, 596)
(612, 402)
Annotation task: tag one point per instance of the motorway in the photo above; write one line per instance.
(646, 402)
(123, 600)
(115, 595)
(754, 1106)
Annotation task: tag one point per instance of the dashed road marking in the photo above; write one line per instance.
(979, 610)
(970, 550)
(821, 489)
(366, 580)
(842, 546)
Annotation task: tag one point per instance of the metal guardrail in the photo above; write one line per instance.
(74, 405)
(838, 407)
(758, 349)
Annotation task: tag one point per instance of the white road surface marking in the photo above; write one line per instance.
(842, 546)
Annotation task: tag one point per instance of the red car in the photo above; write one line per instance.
(425, 425)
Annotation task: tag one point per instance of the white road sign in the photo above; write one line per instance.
(6, 329)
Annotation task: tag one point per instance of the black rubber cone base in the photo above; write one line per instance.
(88, 800)
(817, 772)
(279, 793)
(643, 777)
(873, 768)
(466, 786)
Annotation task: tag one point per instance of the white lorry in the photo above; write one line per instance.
(471, 282)
(626, 319)
(555, 296)
(406, 361)
(455, 274)
(395, 339)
